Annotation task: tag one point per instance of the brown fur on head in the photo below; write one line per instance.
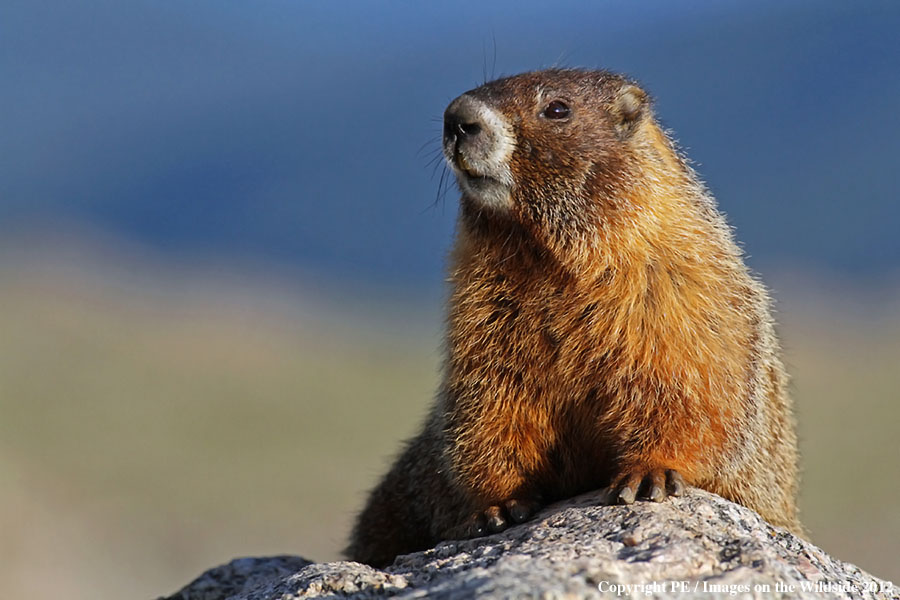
(569, 156)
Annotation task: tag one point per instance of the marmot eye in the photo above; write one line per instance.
(556, 110)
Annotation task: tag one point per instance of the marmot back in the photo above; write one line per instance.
(603, 330)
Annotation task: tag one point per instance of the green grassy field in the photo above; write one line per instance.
(155, 422)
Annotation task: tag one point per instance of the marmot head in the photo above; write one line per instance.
(555, 151)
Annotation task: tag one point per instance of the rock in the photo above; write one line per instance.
(696, 546)
(240, 578)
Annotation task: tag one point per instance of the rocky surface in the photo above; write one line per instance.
(697, 546)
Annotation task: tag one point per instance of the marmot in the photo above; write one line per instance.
(603, 330)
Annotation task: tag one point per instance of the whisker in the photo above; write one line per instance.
(435, 163)
(429, 142)
(483, 63)
(494, 61)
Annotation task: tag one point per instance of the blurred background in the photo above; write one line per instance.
(222, 246)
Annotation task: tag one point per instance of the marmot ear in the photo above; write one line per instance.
(628, 106)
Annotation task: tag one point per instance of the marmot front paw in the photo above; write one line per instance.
(499, 517)
(641, 482)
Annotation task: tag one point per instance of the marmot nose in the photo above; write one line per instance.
(456, 127)
(462, 121)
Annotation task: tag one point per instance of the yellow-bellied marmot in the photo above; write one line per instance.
(602, 331)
